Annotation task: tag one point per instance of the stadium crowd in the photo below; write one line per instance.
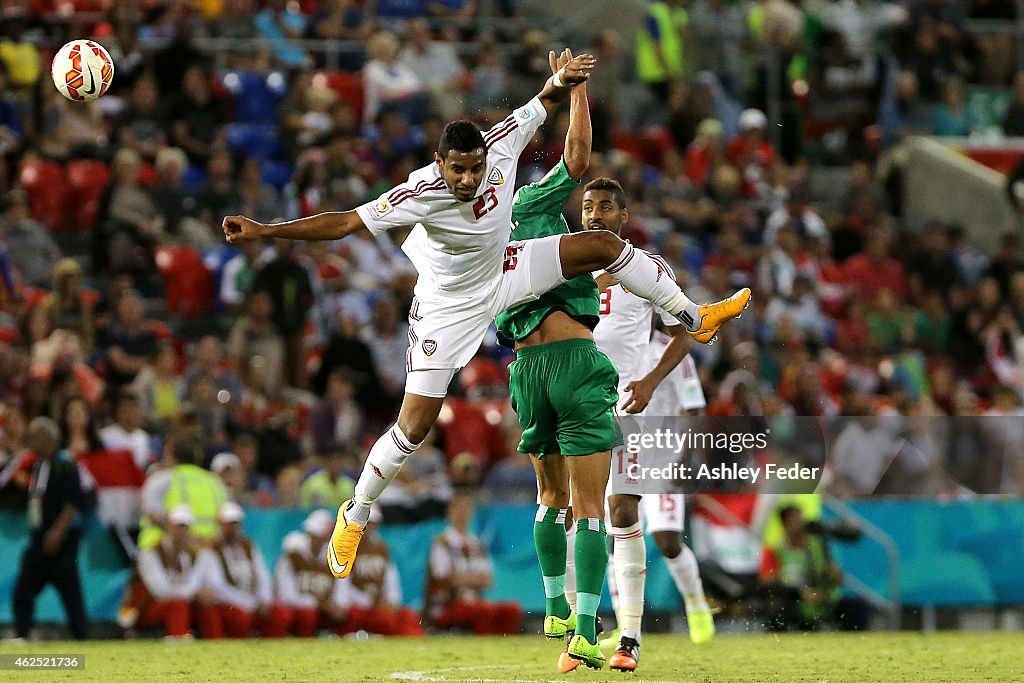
(125, 318)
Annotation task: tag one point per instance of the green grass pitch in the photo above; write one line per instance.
(889, 657)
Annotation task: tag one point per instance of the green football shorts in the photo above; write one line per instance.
(564, 394)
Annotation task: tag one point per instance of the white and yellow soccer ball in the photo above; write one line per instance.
(82, 70)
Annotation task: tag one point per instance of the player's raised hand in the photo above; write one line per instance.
(558, 61)
(578, 69)
(239, 228)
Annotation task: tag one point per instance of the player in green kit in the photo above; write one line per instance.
(564, 390)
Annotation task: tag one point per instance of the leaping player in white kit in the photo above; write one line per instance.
(649, 376)
(461, 205)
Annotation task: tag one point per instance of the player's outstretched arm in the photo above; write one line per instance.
(641, 390)
(579, 137)
(323, 226)
(571, 71)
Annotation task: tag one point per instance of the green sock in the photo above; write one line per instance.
(591, 563)
(549, 539)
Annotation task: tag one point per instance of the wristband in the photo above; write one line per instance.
(556, 80)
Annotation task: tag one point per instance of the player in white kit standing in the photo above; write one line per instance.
(624, 335)
(461, 205)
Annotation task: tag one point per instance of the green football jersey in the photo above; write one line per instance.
(537, 212)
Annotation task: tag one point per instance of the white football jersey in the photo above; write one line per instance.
(459, 246)
(624, 330)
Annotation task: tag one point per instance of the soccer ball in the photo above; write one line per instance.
(82, 70)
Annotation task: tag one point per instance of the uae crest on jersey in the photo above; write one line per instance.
(495, 178)
(429, 346)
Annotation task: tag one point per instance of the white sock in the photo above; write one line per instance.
(649, 277)
(570, 566)
(683, 568)
(630, 575)
(383, 463)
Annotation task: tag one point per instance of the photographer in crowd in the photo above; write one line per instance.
(800, 583)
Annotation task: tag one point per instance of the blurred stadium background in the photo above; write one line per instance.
(872, 202)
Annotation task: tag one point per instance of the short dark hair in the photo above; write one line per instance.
(187, 447)
(608, 185)
(787, 511)
(462, 136)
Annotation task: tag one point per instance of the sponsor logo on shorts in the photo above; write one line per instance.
(381, 209)
(429, 346)
(495, 178)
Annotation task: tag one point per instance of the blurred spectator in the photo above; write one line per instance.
(1007, 262)
(801, 582)
(181, 480)
(27, 242)
(228, 467)
(168, 591)
(459, 572)
(15, 470)
(11, 126)
(337, 418)
(287, 283)
(952, 116)
(659, 46)
(56, 504)
(387, 338)
(339, 20)
(129, 222)
(1013, 119)
(177, 206)
(234, 21)
(78, 426)
(256, 198)
(716, 30)
(129, 342)
(873, 270)
(332, 485)
(705, 153)
(241, 584)
(209, 360)
(304, 582)
(750, 152)
(68, 306)
(727, 531)
(126, 432)
(256, 346)
(196, 117)
(219, 195)
(288, 487)
(20, 56)
(281, 23)
(798, 213)
(389, 81)
(436, 66)
(375, 594)
(489, 75)
(258, 489)
(238, 274)
(861, 453)
(141, 121)
(159, 388)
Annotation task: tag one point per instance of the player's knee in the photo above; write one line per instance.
(623, 511)
(555, 496)
(415, 427)
(668, 544)
(605, 246)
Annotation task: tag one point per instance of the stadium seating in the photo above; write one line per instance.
(86, 181)
(254, 139)
(348, 86)
(256, 95)
(188, 283)
(45, 183)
